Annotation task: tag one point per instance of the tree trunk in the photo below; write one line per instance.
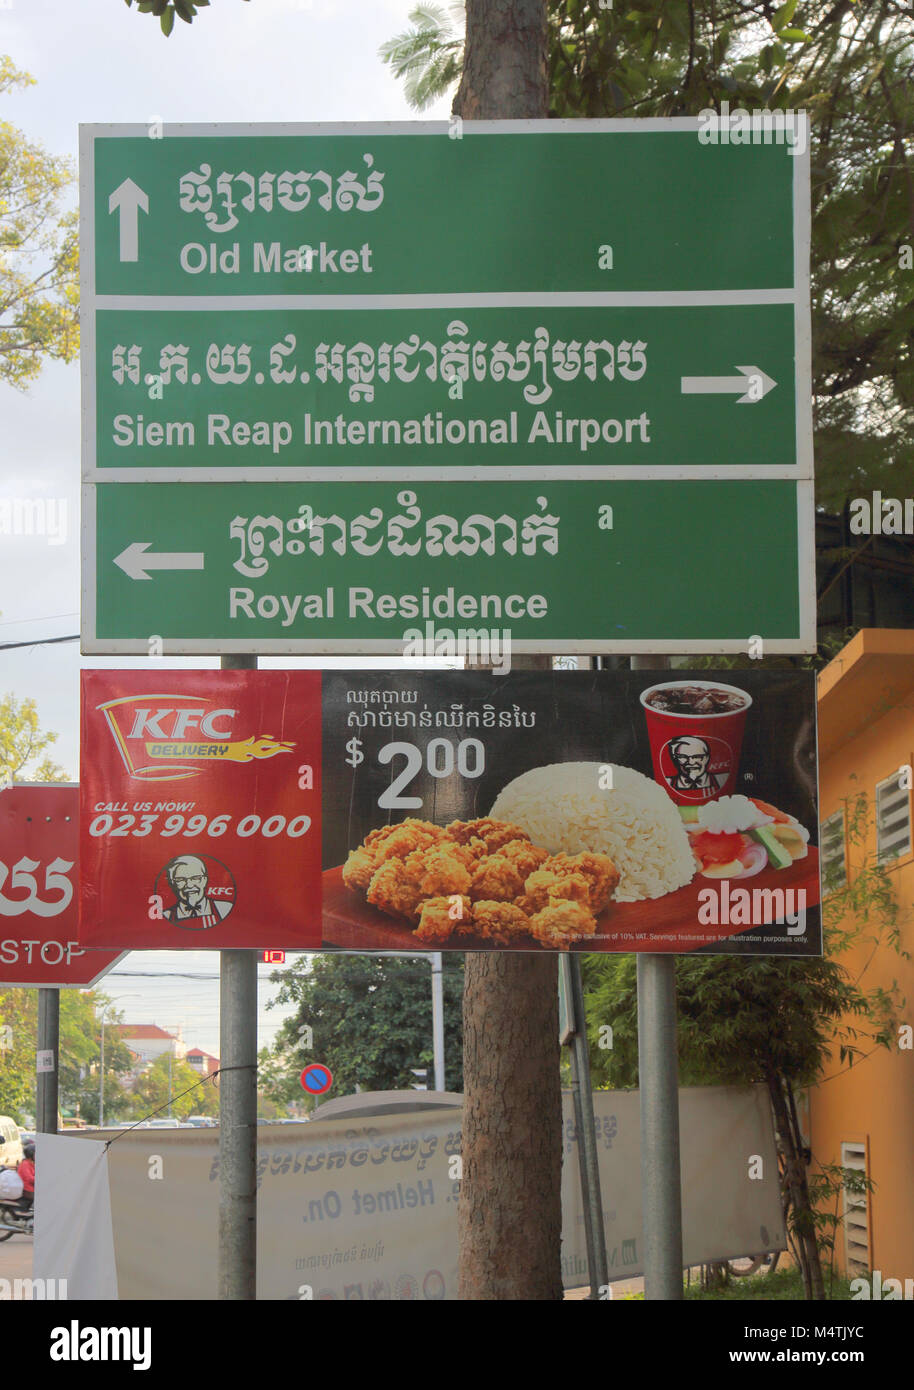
(811, 1265)
(504, 63)
(817, 1279)
(509, 1217)
(510, 1213)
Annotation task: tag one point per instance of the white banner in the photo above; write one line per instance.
(366, 1209)
(74, 1237)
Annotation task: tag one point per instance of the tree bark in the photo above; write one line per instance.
(509, 1216)
(504, 63)
(509, 1213)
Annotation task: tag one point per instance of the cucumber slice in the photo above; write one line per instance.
(778, 854)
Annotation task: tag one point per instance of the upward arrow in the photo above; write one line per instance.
(127, 200)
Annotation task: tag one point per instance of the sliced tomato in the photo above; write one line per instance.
(767, 810)
(718, 849)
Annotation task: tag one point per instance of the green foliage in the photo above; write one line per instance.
(850, 68)
(80, 1048)
(429, 56)
(782, 1285)
(165, 11)
(18, 1034)
(372, 1023)
(81, 1015)
(827, 1187)
(39, 271)
(170, 1077)
(22, 741)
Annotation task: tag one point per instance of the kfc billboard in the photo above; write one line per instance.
(200, 809)
(460, 810)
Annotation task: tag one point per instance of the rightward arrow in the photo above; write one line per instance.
(748, 388)
(127, 200)
(135, 561)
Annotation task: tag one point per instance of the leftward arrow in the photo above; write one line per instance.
(127, 199)
(135, 561)
(752, 386)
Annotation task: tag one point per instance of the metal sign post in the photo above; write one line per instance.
(658, 1080)
(661, 1187)
(574, 1032)
(48, 1044)
(438, 1019)
(238, 1108)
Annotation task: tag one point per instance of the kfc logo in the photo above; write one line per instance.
(169, 742)
(201, 889)
(696, 767)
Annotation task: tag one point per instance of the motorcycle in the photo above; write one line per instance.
(16, 1216)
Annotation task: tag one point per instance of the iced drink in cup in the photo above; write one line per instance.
(696, 734)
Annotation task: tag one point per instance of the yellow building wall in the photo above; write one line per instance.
(873, 1101)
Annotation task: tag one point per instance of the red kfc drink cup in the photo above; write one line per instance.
(696, 734)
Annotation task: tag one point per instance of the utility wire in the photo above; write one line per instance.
(38, 642)
(51, 618)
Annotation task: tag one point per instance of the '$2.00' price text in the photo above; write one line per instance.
(198, 824)
(442, 757)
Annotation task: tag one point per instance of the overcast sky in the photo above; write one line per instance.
(97, 60)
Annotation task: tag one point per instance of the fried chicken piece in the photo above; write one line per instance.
(562, 922)
(544, 887)
(495, 833)
(440, 917)
(525, 857)
(474, 849)
(440, 871)
(397, 841)
(467, 854)
(496, 921)
(496, 878)
(395, 890)
(389, 842)
(599, 870)
(358, 869)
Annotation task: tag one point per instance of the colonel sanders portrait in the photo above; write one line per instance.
(188, 879)
(691, 757)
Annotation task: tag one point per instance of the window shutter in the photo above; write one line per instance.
(856, 1215)
(893, 819)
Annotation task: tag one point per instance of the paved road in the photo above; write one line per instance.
(16, 1257)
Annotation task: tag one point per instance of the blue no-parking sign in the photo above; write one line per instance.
(317, 1078)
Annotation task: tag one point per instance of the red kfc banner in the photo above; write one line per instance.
(200, 809)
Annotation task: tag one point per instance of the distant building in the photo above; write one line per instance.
(147, 1042)
(203, 1062)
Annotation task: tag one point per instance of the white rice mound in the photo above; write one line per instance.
(562, 808)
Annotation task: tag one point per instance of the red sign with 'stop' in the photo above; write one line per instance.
(200, 809)
(39, 839)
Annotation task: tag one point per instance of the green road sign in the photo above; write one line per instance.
(210, 567)
(427, 390)
(582, 311)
